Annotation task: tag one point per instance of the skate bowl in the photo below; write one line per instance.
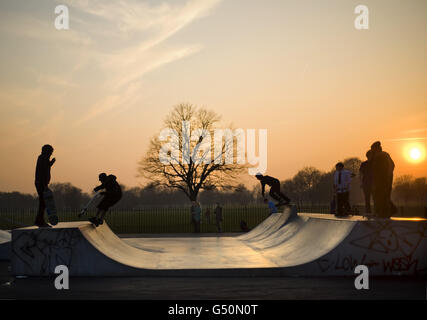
(5, 238)
(303, 245)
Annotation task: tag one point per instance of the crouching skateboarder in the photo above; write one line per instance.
(275, 192)
(112, 195)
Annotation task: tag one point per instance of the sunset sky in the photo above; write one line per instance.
(99, 91)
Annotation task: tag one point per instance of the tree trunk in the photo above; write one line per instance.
(193, 195)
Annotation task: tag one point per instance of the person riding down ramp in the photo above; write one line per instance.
(275, 192)
(112, 195)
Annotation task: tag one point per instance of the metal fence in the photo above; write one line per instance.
(172, 219)
(148, 220)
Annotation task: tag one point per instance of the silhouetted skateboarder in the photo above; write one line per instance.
(112, 195)
(42, 180)
(275, 192)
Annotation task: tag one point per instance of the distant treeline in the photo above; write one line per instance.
(68, 196)
(308, 187)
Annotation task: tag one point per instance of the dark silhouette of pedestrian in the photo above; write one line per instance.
(382, 181)
(365, 174)
(244, 226)
(218, 217)
(196, 215)
(42, 181)
(208, 216)
(275, 192)
(111, 195)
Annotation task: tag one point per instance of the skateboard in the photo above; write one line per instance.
(94, 198)
(50, 206)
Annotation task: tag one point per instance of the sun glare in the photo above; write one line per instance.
(414, 153)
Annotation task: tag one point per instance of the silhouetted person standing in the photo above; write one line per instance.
(342, 181)
(275, 192)
(382, 178)
(365, 174)
(218, 217)
(42, 181)
(196, 215)
(112, 195)
(208, 216)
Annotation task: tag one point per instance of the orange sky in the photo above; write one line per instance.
(100, 90)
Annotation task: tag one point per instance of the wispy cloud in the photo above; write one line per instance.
(110, 46)
(27, 26)
(407, 139)
(128, 20)
(411, 132)
(415, 131)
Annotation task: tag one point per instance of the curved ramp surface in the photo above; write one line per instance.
(283, 234)
(5, 238)
(265, 225)
(327, 245)
(311, 245)
(270, 225)
(90, 251)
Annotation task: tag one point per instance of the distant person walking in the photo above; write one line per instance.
(275, 192)
(365, 175)
(112, 195)
(342, 181)
(208, 216)
(42, 181)
(218, 217)
(382, 178)
(244, 226)
(196, 213)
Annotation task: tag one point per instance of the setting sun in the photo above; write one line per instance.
(414, 152)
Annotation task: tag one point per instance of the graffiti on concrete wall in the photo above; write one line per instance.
(42, 250)
(392, 247)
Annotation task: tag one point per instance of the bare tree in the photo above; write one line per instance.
(306, 180)
(186, 156)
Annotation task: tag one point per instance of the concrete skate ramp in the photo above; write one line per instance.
(5, 238)
(308, 245)
(283, 218)
(90, 251)
(291, 227)
(326, 245)
(265, 225)
(270, 225)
